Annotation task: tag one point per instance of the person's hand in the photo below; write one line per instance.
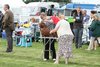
(51, 21)
(74, 20)
(51, 32)
(3, 26)
(45, 20)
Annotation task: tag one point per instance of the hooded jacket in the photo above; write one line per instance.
(95, 28)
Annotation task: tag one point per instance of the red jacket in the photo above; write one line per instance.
(55, 19)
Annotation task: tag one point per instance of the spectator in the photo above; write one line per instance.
(41, 17)
(78, 27)
(95, 28)
(65, 38)
(35, 29)
(86, 18)
(72, 14)
(53, 19)
(50, 11)
(8, 26)
(1, 18)
(90, 21)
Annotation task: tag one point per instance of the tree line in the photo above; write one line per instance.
(28, 1)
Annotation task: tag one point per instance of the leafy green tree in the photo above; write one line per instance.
(66, 1)
(28, 1)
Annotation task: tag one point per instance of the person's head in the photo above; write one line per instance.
(55, 14)
(42, 15)
(84, 12)
(52, 6)
(78, 9)
(93, 13)
(96, 17)
(73, 11)
(32, 19)
(6, 7)
(61, 16)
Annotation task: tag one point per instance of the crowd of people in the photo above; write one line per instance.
(66, 33)
(69, 33)
(83, 23)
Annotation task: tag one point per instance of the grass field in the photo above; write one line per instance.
(32, 57)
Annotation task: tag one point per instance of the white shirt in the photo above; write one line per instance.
(89, 22)
(63, 28)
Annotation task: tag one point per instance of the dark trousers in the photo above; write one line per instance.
(78, 36)
(71, 26)
(49, 46)
(9, 39)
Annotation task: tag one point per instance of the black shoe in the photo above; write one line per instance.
(54, 59)
(37, 41)
(8, 50)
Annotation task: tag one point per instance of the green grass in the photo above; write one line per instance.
(32, 57)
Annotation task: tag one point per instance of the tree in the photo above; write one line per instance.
(68, 1)
(27, 1)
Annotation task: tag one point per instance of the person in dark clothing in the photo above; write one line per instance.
(43, 9)
(50, 11)
(78, 27)
(1, 17)
(95, 28)
(91, 19)
(8, 26)
(72, 14)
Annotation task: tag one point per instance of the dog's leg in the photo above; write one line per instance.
(66, 60)
(95, 44)
(98, 41)
(57, 59)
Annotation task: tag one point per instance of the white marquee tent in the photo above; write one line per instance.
(12, 3)
(15, 5)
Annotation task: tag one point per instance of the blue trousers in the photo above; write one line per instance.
(78, 36)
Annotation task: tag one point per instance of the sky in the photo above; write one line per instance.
(13, 3)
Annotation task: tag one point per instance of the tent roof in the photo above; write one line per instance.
(86, 1)
(83, 6)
